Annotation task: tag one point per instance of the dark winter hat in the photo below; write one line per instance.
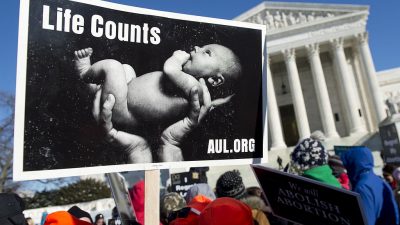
(98, 217)
(11, 207)
(388, 169)
(230, 184)
(307, 154)
(79, 213)
(336, 165)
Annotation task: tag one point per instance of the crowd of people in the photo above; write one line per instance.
(352, 170)
(230, 202)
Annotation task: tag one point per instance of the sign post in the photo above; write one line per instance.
(152, 197)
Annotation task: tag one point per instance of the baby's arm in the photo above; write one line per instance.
(173, 70)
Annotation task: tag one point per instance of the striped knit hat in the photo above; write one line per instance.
(230, 184)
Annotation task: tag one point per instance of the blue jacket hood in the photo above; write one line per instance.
(357, 160)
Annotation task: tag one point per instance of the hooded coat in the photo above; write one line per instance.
(376, 196)
(322, 174)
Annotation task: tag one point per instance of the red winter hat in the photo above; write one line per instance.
(63, 218)
(226, 211)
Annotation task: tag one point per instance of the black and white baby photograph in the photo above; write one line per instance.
(106, 86)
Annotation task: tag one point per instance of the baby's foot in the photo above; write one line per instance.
(82, 61)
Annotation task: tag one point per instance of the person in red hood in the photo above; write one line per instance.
(138, 200)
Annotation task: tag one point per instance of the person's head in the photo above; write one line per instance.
(63, 218)
(357, 160)
(226, 211)
(396, 174)
(190, 214)
(309, 153)
(170, 202)
(217, 64)
(255, 202)
(254, 191)
(197, 189)
(387, 172)
(230, 184)
(29, 221)
(80, 214)
(11, 208)
(336, 165)
(99, 219)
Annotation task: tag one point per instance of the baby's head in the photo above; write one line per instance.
(217, 64)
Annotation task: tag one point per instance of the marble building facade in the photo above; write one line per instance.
(320, 73)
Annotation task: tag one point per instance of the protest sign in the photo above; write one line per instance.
(306, 201)
(73, 54)
(181, 182)
(390, 142)
(122, 198)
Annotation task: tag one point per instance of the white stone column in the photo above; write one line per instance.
(297, 94)
(371, 76)
(342, 68)
(274, 120)
(321, 91)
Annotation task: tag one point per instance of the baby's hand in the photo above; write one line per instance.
(181, 56)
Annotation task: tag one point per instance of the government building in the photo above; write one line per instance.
(321, 75)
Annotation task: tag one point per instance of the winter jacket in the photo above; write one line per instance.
(199, 189)
(344, 181)
(376, 196)
(322, 174)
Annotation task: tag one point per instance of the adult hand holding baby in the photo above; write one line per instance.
(136, 146)
(171, 138)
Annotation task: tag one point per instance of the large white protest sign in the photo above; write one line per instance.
(174, 88)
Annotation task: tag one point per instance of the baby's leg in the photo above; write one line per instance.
(82, 61)
(82, 65)
(113, 75)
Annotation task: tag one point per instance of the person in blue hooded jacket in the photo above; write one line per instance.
(376, 196)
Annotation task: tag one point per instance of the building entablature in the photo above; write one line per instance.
(295, 25)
